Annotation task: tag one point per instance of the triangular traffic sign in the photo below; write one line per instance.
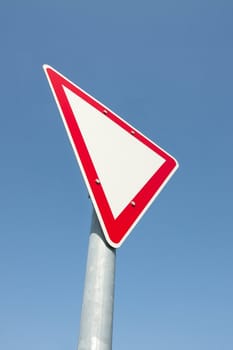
(124, 171)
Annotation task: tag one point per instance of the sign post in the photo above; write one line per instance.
(98, 298)
(124, 172)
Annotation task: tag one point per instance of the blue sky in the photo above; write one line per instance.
(165, 67)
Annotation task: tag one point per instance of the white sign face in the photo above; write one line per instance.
(123, 170)
(118, 156)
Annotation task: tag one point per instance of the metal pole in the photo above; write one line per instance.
(97, 309)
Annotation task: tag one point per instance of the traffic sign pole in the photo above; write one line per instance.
(124, 171)
(98, 299)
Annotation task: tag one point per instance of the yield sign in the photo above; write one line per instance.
(123, 170)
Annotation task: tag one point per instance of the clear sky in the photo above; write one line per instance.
(166, 68)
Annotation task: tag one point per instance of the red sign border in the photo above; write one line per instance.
(115, 229)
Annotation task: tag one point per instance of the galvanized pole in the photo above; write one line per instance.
(98, 299)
